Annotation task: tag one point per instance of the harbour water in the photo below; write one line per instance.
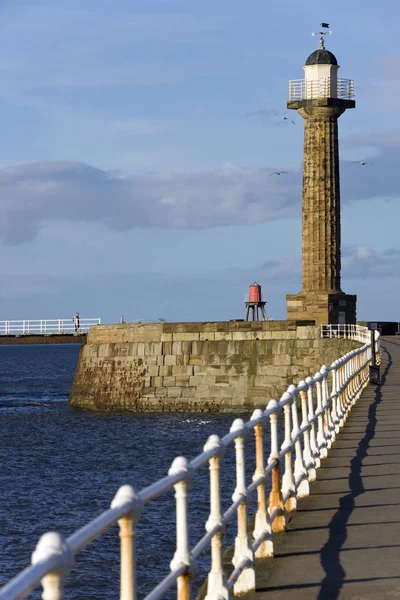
(60, 467)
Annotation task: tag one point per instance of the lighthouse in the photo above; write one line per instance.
(321, 98)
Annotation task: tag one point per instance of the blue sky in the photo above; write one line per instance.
(134, 182)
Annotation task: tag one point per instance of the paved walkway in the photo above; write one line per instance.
(344, 541)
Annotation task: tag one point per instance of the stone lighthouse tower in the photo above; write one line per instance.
(320, 98)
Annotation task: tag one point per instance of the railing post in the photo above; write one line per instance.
(321, 439)
(328, 425)
(288, 482)
(182, 553)
(275, 497)
(300, 470)
(127, 495)
(308, 458)
(313, 427)
(262, 524)
(243, 550)
(217, 586)
(339, 394)
(333, 404)
(50, 544)
(346, 386)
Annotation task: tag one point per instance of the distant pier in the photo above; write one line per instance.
(55, 338)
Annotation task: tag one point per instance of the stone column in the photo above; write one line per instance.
(321, 298)
(321, 200)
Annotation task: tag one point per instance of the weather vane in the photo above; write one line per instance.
(322, 33)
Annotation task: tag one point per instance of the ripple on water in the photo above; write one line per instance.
(61, 467)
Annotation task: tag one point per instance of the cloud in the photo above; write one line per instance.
(361, 262)
(37, 193)
(32, 194)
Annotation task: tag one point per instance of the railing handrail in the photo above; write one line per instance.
(324, 401)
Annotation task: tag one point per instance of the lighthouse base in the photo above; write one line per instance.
(322, 307)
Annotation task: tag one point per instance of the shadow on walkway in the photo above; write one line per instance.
(330, 552)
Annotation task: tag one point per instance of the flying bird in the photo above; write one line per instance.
(362, 162)
(284, 118)
(278, 173)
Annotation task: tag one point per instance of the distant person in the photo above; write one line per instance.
(122, 321)
(76, 322)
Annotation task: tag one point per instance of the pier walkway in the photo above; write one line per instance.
(344, 540)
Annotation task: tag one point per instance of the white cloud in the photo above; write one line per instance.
(32, 194)
(360, 262)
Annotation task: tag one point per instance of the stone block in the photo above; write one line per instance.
(168, 381)
(182, 380)
(283, 360)
(174, 392)
(183, 370)
(166, 337)
(170, 360)
(222, 379)
(200, 370)
(207, 335)
(186, 347)
(154, 371)
(195, 380)
(188, 392)
(202, 391)
(161, 392)
(223, 335)
(242, 335)
(182, 359)
(195, 360)
(186, 337)
(305, 333)
(141, 348)
(176, 348)
(154, 348)
(157, 382)
(264, 335)
(105, 350)
(151, 361)
(167, 348)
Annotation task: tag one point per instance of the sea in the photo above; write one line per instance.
(61, 466)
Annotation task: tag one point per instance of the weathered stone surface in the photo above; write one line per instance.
(212, 375)
(321, 232)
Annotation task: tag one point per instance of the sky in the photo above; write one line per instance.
(137, 144)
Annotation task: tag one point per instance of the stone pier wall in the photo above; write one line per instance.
(197, 366)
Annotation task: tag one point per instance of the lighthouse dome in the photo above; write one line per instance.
(321, 57)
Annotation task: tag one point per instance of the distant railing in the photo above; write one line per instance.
(354, 332)
(300, 89)
(46, 326)
(324, 402)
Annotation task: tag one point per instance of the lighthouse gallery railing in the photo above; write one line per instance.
(323, 401)
(300, 89)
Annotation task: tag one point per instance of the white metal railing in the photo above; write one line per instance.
(323, 402)
(300, 89)
(46, 326)
(354, 332)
